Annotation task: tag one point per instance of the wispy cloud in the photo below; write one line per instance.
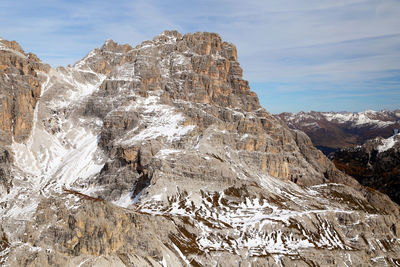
(304, 44)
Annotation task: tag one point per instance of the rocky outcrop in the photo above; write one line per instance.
(20, 88)
(160, 155)
(374, 164)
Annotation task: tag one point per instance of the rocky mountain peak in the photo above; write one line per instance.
(161, 155)
(167, 36)
(197, 67)
(13, 45)
(111, 46)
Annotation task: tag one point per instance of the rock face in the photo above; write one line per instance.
(375, 164)
(20, 89)
(330, 131)
(21, 76)
(160, 155)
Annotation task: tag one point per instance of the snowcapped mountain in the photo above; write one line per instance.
(160, 155)
(333, 130)
(373, 118)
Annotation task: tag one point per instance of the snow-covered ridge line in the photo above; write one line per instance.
(82, 62)
(77, 90)
(380, 119)
(358, 119)
(5, 48)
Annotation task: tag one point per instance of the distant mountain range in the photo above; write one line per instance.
(365, 145)
(330, 131)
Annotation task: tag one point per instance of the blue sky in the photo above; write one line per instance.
(298, 55)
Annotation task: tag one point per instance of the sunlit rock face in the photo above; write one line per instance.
(21, 75)
(160, 155)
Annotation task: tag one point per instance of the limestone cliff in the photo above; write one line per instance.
(20, 88)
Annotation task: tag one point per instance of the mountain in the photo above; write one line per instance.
(160, 155)
(375, 164)
(330, 131)
(353, 141)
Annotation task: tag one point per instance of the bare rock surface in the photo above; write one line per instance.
(160, 155)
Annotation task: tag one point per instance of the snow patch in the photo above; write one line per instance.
(250, 219)
(388, 143)
(158, 120)
(125, 72)
(125, 200)
(77, 91)
(81, 63)
(164, 153)
(58, 160)
(180, 59)
(51, 161)
(17, 53)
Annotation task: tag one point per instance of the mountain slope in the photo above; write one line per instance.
(374, 164)
(160, 155)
